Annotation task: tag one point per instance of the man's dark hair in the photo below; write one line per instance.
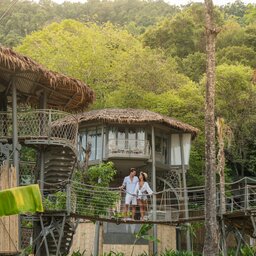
(132, 170)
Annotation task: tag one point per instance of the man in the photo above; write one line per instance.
(129, 185)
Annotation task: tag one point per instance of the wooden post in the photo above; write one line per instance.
(97, 224)
(154, 188)
(246, 198)
(15, 144)
(9, 225)
(3, 108)
(15, 131)
(68, 198)
(185, 192)
(42, 105)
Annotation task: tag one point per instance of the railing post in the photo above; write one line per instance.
(49, 123)
(155, 249)
(185, 192)
(246, 198)
(68, 198)
(232, 204)
(42, 115)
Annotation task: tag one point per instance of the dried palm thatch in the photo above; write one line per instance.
(135, 116)
(31, 78)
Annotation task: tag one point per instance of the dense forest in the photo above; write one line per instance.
(149, 54)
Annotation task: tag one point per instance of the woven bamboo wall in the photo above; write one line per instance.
(9, 236)
(84, 237)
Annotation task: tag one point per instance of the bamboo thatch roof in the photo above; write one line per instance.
(135, 116)
(31, 79)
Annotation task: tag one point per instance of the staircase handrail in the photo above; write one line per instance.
(42, 126)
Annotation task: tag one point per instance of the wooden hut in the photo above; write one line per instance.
(24, 82)
(147, 141)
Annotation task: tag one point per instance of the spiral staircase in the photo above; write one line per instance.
(54, 140)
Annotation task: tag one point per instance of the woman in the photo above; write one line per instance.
(141, 190)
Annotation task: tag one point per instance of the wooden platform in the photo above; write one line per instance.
(241, 220)
(9, 225)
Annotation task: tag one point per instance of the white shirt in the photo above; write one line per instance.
(141, 191)
(130, 185)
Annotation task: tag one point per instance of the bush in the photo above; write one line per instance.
(178, 253)
(111, 253)
(78, 253)
(56, 201)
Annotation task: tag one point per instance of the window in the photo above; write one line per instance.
(131, 139)
(161, 147)
(93, 138)
(158, 143)
(164, 150)
(126, 140)
(82, 145)
(121, 134)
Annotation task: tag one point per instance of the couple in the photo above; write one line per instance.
(136, 192)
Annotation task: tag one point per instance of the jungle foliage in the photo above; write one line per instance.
(149, 54)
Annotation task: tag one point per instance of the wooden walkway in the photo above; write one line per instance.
(106, 204)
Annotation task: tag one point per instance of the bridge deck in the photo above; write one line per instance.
(107, 204)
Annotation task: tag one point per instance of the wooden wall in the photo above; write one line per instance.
(84, 237)
(9, 235)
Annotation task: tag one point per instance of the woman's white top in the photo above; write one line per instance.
(142, 192)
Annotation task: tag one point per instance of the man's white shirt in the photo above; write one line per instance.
(130, 185)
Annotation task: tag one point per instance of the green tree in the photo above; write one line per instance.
(250, 36)
(113, 62)
(237, 54)
(235, 10)
(28, 16)
(194, 66)
(231, 34)
(250, 15)
(176, 36)
(183, 34)
(236, 95)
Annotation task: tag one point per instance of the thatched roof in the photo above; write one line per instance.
(31, 78)
(135, 116)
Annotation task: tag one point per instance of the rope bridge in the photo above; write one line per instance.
(107, 204)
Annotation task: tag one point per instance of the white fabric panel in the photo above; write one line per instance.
(175, 149)
(186, 147)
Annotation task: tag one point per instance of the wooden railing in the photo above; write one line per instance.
(87, 201)
(41, 126)
(128, 148)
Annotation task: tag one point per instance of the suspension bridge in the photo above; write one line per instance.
(106, 204)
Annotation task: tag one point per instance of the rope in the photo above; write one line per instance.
(99, 202)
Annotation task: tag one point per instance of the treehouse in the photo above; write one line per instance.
(135, 138)
(149, 142)
(32, 99)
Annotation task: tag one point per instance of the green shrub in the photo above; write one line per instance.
(178, 253)
(78, 253)
(56, 201)
(111, 253)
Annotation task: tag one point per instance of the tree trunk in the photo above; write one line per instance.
(211, 227)
(221, 162)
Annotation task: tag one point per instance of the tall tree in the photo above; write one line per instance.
(211, 234)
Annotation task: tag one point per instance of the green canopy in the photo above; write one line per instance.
(17, 200)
